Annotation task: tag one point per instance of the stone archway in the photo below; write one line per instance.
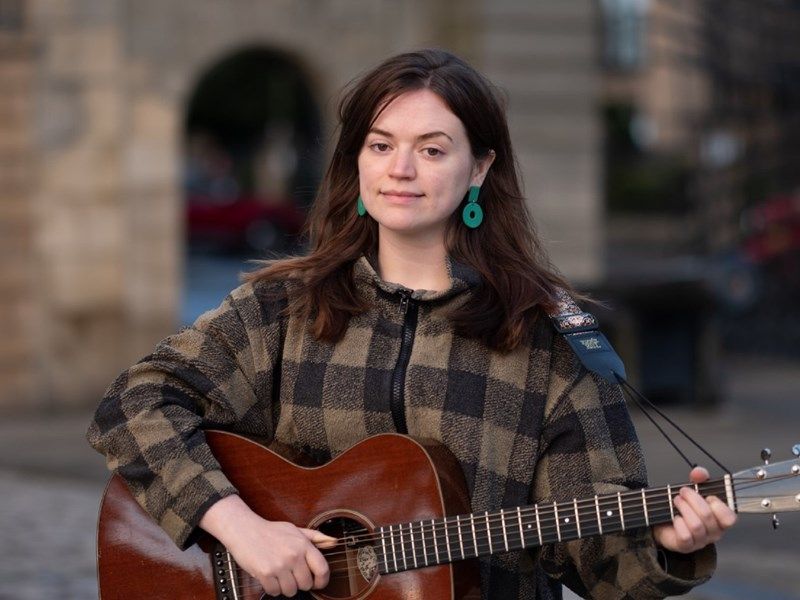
(252, 161)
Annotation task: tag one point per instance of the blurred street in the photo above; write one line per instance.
(52, 482)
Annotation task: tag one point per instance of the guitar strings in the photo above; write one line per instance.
(546, 513)
(628, 498)
(656, 511)
(484, 545)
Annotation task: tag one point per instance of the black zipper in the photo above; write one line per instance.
(410, 311)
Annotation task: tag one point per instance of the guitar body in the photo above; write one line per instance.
(383, 480)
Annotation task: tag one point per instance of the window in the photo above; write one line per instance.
(11, 15)
(624, 33)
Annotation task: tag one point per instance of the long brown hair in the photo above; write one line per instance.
(516, 276)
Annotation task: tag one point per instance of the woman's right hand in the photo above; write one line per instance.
(281, 556)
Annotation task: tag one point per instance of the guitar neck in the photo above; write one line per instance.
(438, 541)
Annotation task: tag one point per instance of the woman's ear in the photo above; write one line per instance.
(481, 168)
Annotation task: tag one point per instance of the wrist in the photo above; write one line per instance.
(224, 516)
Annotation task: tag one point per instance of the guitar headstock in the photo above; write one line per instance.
(769, 488)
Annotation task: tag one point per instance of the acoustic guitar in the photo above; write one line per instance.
(400, 512)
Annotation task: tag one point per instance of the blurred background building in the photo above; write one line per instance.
(149, 147)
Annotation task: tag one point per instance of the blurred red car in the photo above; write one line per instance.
(772, 228)
(243, 224)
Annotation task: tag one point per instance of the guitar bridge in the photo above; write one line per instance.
(225, 578)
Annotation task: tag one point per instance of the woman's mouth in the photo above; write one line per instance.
(400, 196)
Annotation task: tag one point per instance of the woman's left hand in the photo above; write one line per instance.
(701, 521)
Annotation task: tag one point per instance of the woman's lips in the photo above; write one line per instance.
(400, 197)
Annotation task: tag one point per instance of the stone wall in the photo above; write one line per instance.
(19, 314)
(544, 54)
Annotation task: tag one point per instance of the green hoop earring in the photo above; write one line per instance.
(473, 213)
(360, 208)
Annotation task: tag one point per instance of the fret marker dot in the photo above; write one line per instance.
(529, 526)
(566, 520)
(609, 513)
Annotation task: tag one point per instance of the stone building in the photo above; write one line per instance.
(93, 106)
(645, 131)
(701, 105)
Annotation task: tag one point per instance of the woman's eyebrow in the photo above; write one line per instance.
(420, 138)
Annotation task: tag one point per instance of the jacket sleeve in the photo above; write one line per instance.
(590, 447)
(216, 374)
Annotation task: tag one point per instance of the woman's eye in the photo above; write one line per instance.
(380, 146)
(432, 151)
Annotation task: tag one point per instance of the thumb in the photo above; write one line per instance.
(699, 475)
(319, 539)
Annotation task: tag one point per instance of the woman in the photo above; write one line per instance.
(419, 308)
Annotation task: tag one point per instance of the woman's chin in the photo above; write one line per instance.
(410, 230)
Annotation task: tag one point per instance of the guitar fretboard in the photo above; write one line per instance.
(420, 544)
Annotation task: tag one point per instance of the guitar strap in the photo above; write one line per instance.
(581, 331)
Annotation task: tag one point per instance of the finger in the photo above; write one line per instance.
(288, 584)
(319, 539)
(693, 521)
(319, 568)
(271, 586)
(700, 507)
(699, 475)
(722, 512)
(303, 578)
(684, 541)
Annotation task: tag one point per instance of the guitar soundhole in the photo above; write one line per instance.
(352, 562)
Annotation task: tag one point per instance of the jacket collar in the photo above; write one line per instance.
(463, 278)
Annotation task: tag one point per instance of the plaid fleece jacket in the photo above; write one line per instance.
(532, 425)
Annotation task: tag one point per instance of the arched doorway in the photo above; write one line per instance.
(252, 164)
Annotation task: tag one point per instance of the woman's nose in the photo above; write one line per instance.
(402, 165)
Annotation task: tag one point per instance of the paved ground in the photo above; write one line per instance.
(50, 485)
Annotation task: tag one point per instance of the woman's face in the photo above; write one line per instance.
(416, 166)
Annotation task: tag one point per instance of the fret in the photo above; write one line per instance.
(586, 519)
(538, 525)
(435, 542)
(669, 501)
(474, 534)
(577, 517)
(729, 493)
(413, 546)
(521, 532)
(644, 507)
(424, 547)
(608, 512)
(460, 538)
(565, 527)
(599, 518)
(394, 554)
(621, 513)
(403, 546)
(385, 555)
(447, 541)
(558, 526)
(503, 523)
(489, 532)
(423, 558)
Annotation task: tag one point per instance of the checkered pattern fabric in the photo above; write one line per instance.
(532, 425)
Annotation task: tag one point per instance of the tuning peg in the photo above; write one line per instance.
(766, 454)
(796, 450)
